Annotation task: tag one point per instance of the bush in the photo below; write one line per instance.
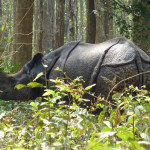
(57, 124)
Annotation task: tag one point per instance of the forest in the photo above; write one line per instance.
(30, 27)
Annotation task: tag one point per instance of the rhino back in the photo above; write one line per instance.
(123, 53)
(105, 64)
(83, 59)
(122, 61)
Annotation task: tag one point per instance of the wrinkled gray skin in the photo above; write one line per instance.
(102, 63)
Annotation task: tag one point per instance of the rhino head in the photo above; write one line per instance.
(24, 76)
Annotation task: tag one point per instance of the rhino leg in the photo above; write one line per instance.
(109, 76)
(146, 76)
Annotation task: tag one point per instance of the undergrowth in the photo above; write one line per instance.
(59, 122)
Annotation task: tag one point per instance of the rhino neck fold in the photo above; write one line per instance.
(64, 53)
(97, 68)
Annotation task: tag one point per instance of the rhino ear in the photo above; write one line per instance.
(37, 59)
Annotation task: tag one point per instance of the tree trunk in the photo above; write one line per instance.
(100, 35)
(141, 27)
(49, 27)
(72, 19)
(91, 22)
(104, 25)
(0, 28)
(23, 32)
(108, 23)
(76, 17)
(59, 34)
(0, 20)
(36, 25)
(81, 21)
(40, 29)
(67, 21)
(52, 22)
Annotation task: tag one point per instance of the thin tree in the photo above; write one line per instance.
(52, 22)
(36, 25)
(81, 21)
(141, 25)
(91, 22)
(72, 20)
(0, 22)
(59, 31)
(22, 51)
(104, 22)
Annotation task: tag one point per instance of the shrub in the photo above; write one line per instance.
(57, 124)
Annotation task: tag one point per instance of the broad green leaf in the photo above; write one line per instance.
(94, 145)
(89, 87)
(45, 121)
(136, 144)
(45, 66)
(108, 124)
(19, 86)
(125, 135)
(57, 69)
(38, 76)
(106, 129)
(145, 136)
(34, 104)
(57, 144)
(2, 28)
(76, 133)
(2, 115)
(103, 135)
(34, 84)
(1, 134)
(48, 92)
(5, 38)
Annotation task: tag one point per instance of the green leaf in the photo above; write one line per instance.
(48, 92)
(103, 135)
(136, 144)
(2, 28)
(89, 87)
(2, 115)
(106, 129)
(57, 69)
(38, 76)
(5, 38)
(108, 124)
(145, 136)
(19, 86)
(125, 135)
(1, 134)
(94, 144)
(95, 11)
(34, 104)
(45, 121)
(34, 84)
(45, 66)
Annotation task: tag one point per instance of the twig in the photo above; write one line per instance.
(123, 81)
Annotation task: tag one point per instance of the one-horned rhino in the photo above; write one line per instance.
(101, 64)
